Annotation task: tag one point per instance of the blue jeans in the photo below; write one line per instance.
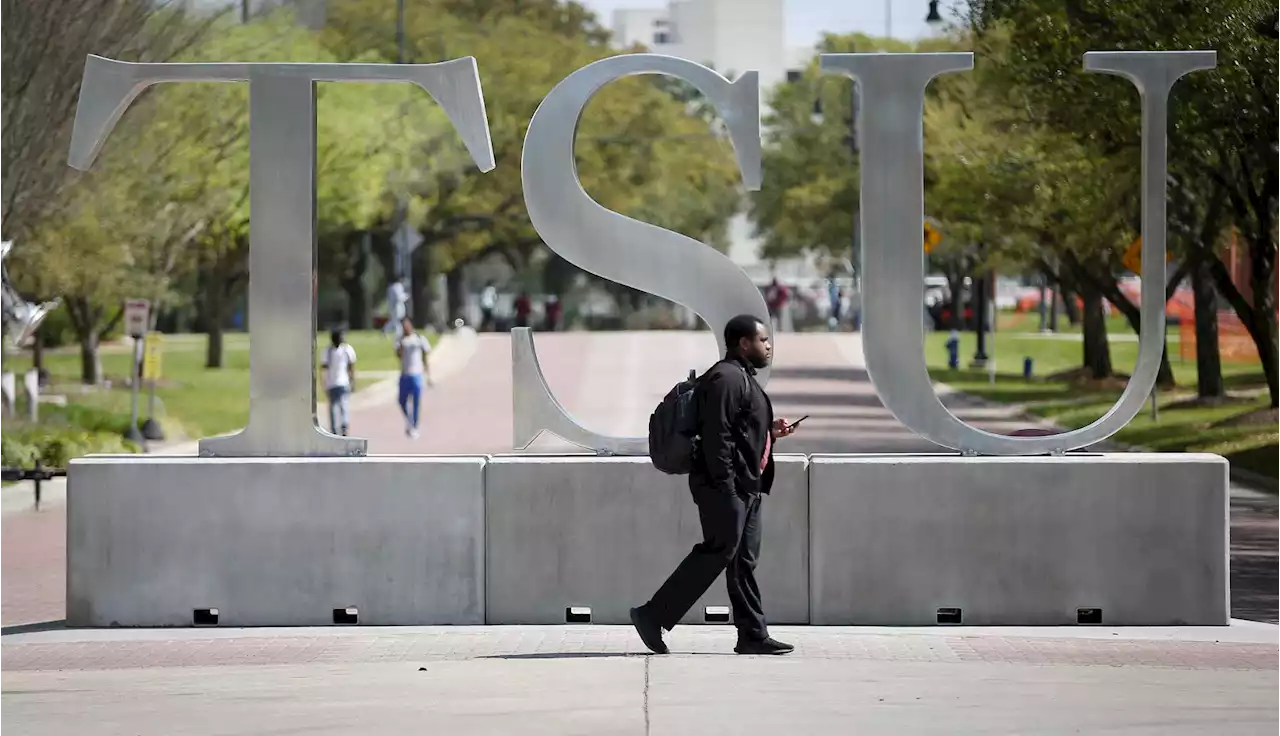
(411, 388)
(339, 414)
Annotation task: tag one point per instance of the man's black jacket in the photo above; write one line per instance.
(734, 418)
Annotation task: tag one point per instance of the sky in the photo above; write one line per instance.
(808, 19)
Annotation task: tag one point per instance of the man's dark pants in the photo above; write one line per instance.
(731, 543)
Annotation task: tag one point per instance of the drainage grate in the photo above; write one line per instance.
(949, 615)
(204, 617)
(716, 614)
(1088, 615)
(577, 615)
(349, 616)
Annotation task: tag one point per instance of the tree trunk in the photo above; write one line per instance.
(1263, 277)
(215, 320)
(37, 352)
(1097, 351)
(1209, 383)
(353, 284)
(358, 306)
(1069, 306)
(213, 355)
(455, 296)
(955, 285)
(84, 320)
(90, 359)
(423, 291)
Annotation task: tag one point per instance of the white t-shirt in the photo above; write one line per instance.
(338, 361)
(396, 298)
(412, 349)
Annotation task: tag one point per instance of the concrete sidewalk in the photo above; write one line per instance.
(597, 680)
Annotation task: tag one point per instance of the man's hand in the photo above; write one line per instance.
(781, 428)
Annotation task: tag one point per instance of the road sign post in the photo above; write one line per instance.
(137, 313)
(152, 363)
(406, 240)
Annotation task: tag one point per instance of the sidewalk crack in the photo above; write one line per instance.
(647, 660)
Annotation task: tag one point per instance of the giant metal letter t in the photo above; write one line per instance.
(282, 201)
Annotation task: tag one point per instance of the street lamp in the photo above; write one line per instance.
(850, 140)
(934, 17)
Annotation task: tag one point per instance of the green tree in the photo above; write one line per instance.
(639, 151)
(1222, 122)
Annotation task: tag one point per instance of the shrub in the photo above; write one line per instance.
(55, 446)
(15, 453)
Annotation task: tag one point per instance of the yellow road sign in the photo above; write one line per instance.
(1132, 258)
(931, 238)
(153, 357)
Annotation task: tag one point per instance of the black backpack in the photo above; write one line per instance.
(673, 429)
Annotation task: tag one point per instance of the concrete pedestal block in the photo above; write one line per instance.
(1142, 538)
(275, 541)
(604, 532)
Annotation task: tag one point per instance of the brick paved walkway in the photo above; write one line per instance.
(1254, 648)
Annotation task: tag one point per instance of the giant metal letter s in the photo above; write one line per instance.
(892, 88)
(282, 238)
(618, 248)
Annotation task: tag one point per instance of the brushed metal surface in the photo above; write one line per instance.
(282, 189)
(626, 251)
(892, 90)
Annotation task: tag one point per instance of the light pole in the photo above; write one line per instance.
(850, 140)
(934, 17)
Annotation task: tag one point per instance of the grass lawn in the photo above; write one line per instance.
(192, 400)
(1182, 424)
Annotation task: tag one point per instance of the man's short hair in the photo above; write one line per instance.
(742, 326)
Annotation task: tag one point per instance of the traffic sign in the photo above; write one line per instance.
(153, 357)
(136, 314)
(406, 239)
(1132, 258)
(931, 237)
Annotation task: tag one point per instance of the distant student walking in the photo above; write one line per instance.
(412, 350)
(339, 365)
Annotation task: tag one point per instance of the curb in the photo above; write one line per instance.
(1255, 481)
(1247, 478)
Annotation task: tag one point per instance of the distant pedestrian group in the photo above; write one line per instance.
(338, 365)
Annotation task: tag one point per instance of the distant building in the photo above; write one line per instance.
(731, 36)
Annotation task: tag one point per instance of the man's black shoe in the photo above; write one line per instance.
(650, 633)
(762, 646)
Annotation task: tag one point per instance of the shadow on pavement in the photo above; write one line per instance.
(568, 655)
(33, 627)
(820, 374)
(1254, 559)
(824, 399)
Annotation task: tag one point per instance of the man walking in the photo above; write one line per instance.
(732, 468)
(339, 364)
(412, 350)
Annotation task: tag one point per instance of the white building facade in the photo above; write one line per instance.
(730, 36)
